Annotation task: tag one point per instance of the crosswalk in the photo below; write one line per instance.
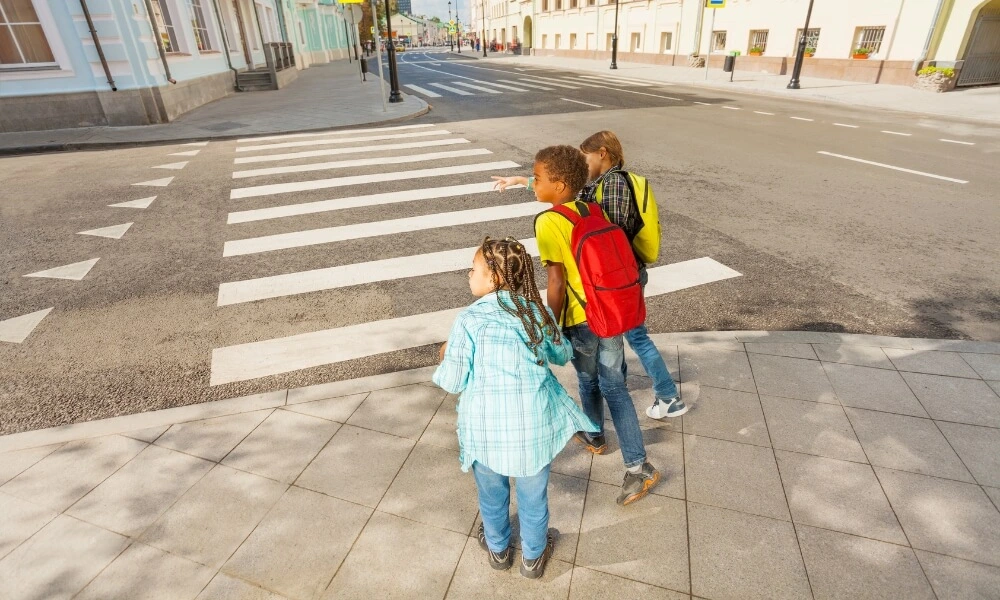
(285, 216)
(463, 85)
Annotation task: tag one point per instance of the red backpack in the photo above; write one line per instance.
(614, 301)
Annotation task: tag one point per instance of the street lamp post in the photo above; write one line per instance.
(450, 42)
(390, 48)
(458, 28)
(614, 41)
(797, 69)
(484, 28)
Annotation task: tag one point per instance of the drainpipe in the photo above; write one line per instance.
(930, 36)
(281, 19)
(97, 44)
(225, 46)
(159, 40)
(699, 24)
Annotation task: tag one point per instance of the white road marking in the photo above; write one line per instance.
(575, 82)
(760, 112)
(114, 232)
(326, 235)
(185, 153)
(476, 87)
(195, 144)
(731, 107)
(320, 184)
(156, 182)
(350, 150)
(177, 166)
(549, 82)
(800, 119)
(647, 94)
(451, 89)
(703, 103)
(584, 103)
(617, 81)
(282, 355)
(361, 162)
(877, 164)
(306, 208)
(327, 141)
(501, 86)
(286, 136)
(846, 125)
(140, 203)
(303, 282)
(957, 142)
(17, 329)
(75, 271)
(420, 90)
(897, 133)
(527, 85)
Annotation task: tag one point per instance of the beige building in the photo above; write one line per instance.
(899, 35)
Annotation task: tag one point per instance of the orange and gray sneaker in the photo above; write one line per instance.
(637, 485)
(535, 567)
(595, 443)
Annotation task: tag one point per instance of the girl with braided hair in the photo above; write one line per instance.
(514, 416)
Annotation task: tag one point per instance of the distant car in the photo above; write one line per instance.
(400, 48)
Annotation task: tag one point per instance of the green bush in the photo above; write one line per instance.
(946, 71)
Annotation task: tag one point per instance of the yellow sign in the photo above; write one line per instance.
(715, 3)
(350, 1)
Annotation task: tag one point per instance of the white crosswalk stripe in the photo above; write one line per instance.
(476, 87)
(544, 81)
(420, 90)
(499, 85)
(448, 88)
(527, 85)
(292, 350)
(287, 136)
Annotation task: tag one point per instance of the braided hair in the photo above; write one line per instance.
(513, 271)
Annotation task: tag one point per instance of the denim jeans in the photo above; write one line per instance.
(664, 387)
(599, 366)
(532, 509)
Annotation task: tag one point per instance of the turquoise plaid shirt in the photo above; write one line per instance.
(513, 414)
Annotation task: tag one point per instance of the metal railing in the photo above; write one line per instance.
(280, 55)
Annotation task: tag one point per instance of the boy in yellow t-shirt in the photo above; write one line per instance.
(560, 172)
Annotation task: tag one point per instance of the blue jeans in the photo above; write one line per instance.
(664, 387)
(532, 509)
(600, 370)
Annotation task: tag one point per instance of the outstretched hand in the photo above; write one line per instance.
(502, 183)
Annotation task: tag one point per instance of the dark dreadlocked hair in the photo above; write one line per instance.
(514, 271)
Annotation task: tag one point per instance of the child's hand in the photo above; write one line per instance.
(502, 183)
(444, 346)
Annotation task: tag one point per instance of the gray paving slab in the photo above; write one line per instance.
(979, 449)
(144, 571)
(589, 584)
(432, 555)
(995, 386)
(865, 356)
(348, 387)
(994, 494)
(137, 494)
(66, 475)
(943, 516)
(21, 520)
(16, 462)
(299, 545)
(838, 495)
(931, 362)
(734, 476)
(212, 439)
(872, 388)
(617, 541)
(147, 435)
(812, 428)
(224, 587)
(954, 399)
(856, 568)
(957, 578)
(213, 518)
(906, 444)
(58, 561)
(574, 461)
(664, 450)
(986, 366)
(791, 378)
(724, 414)
(358, 465)
(667, 351)
(736, 556)
(716, 368)
(403, 411)
(282, 445)
(790, 350)
(443, 429)
(337, 409)
(450, 503)
(474, 577)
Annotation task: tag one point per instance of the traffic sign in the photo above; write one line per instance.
(715, 3)
(350, 1)
(373, 29)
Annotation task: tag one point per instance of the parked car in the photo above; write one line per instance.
(400, 48)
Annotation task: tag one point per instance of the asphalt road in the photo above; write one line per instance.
(774, 190)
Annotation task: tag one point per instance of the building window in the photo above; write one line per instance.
(590, 42)
(545, 5)
(869, 38)
(610, 42)
(200, 25)
(545, 41)
(718, 41)
(166, 26)
(758, 40)
(591, 2)
(572, 41)
(666, 41)
(636, 45)
(573, 3)
(812, 39)
(558, 4)
(558, 38)
(22, 41)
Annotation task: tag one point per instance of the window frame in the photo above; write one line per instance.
(200, 24)
(811, 41)
(165, 23)
(755, 37)
(716, 47)
(25, 65)
(859, 39)
(666, 41)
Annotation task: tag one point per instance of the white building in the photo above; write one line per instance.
(899, 34)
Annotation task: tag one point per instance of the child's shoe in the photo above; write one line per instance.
(595, 443)
(535, 568)
(501, 561)
(637, 485)
(666, 408)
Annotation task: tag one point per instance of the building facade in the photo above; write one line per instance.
(898, 35)
(73, 63)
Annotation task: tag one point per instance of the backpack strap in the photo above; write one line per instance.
(573, 218)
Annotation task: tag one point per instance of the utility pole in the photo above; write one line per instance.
(450, 42)
(378, 54)
(797, 69)
(484, 28)
(614, 41)
(390, 47)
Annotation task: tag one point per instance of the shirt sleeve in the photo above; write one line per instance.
(557, 353)
(547, 237)
(618, 203)
(452, 375)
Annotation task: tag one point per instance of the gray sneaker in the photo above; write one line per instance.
(535, 568)
(637, 485)
(672, 407)
(501, 561)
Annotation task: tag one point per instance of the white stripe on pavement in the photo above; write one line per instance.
(325, 141)
(623, 79)
(282, 355)
(608, 81)
(361, 162)
(957, 142)
(883, 165)
(896, 133)
(800, 119)
(351, 150)
(333, 132)
(290, 284)
(451, 89)
(320, 184)
(846, 125)
(575, 82)
(760, 112)
(501, 86)
(731, 107)
(326, 235)
(527, 85)
(306, 208)
(703, 103)
(476, 87)
(549, 82)
(647, 94)
(584, 103)
(420, 90)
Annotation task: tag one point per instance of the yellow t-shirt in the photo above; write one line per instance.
(552, 233)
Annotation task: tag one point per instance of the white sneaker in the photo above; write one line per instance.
(666, 408)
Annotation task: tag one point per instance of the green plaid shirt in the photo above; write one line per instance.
(513, 414)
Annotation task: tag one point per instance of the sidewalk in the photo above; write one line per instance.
(972, 104)
(322, 97)
(810, 465)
